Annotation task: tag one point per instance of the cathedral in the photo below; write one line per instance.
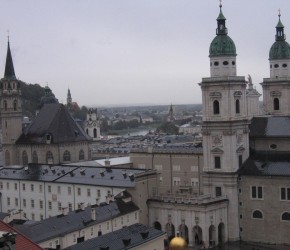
(52, 138)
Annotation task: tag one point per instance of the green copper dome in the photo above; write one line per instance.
(279, 50)
(222, 45)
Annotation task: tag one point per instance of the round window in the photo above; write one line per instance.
(284, 65)
(225, 63)
(233, 63)
(276, 66)
(216, 63)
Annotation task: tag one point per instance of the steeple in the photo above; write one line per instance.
(221, 23)
(280, 30)
(9, 68)
(68, 99)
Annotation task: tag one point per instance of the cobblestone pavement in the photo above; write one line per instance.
(244, 246)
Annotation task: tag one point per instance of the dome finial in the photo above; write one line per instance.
(279, 13)
(221, 5)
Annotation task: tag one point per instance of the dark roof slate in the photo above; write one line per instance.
(54, 120)
(135, 235)
(267, 164)
(9, 68)
(76, 220)
(276, 126)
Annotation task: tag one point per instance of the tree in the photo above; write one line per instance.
(168, 128)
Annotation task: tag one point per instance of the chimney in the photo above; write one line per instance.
(93, 213)
(64, 210)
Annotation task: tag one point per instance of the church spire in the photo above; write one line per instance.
(9, 68)
(221, 23)
(280, 29)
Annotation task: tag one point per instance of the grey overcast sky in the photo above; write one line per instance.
(133, 51)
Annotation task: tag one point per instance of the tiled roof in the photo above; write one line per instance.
(54, 120)
(22, 242)
(276, 126)
(61, 225)
(267, 164)
(125, 238)
(97, 176)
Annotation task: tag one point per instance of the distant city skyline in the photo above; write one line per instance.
(130, 52)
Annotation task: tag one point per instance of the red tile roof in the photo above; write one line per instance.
(22, 242)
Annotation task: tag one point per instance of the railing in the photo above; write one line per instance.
(188, 199)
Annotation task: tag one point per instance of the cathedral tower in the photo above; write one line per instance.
(225, 123)
(11, 111)
(276, 89)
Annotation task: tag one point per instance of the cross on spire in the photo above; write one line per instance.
(221, 3)
(279, 12)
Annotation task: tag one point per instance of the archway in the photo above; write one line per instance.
(221, 233)
(211, 234)
(170, 230)
(197, 234)
(183, 230)
(157, 225)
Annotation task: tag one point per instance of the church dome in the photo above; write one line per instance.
(222, 45)
(177, 243)
(280, 50)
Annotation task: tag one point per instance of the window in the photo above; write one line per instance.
(41, 204)
(59, 206)
(24, 202)
(66, 156)
(284, 65)
(16, 202)
(74, 238)
(59, 189)
(5, 105)
(23, 186)
(99, 193)
(7, 185)
(8, 201)
(136, 215)
(31, 187)
(40, 188)
(81, 155)
(49, 157)
(32, 203)
(89, 192)
(49, 205)
(237, 106)
(49, 188)
(217, 162)
(70, 207)
(194, 182)
(41, 217)
(24, 158)
(69, 190)
(240, 161)
(108, 225)
(194, 168)
(79, 191)
(286, 216)
(1, 185)
(14, 105)
(176, 168)
(225, 63)
(32, 216)
(276, 66)
(122, 220)
(257, 214)
(92, 231)
(216, 107)
(257, 192)
(216, 64)
(276, 104)
(218, 191)
(15, 186)
(34, 157)
(285, 194)
(176, 181)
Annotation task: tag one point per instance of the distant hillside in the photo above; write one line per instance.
(31, 95)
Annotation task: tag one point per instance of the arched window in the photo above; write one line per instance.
(276, 104)
(24, 158)
(5, 105)
(257, 214)
(237, 106)
(95, 132)
(34, 157)
(7, 158)
(49, 157)
(66, 156)
(216, 107)
(15, 105)
(81, 155)
(286, 216)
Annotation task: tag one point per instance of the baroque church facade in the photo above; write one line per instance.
(52, 138)
(244, 180)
